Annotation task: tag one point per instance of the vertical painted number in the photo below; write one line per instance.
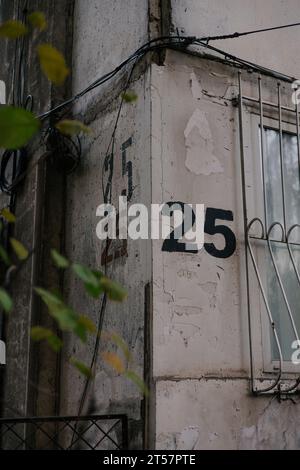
(127, 169)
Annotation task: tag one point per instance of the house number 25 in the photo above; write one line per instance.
(212, 226)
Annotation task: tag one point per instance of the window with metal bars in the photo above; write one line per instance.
(270, 169)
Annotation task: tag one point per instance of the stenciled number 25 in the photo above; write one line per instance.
(211, 227)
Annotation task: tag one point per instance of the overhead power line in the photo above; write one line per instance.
(248, 33)
(163, 44)
(179, 41)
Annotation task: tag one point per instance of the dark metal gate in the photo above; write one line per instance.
(106, 432)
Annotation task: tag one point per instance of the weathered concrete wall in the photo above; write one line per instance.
(275, 49)
(103, 37)
(214, 414)
(105, 34)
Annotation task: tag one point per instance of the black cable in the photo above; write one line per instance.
(171, 41)
(8, 184)
(248, 33)
(13, 164)
(247, 63)
(108, 76)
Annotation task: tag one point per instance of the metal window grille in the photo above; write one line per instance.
(107, 432)
(268, 230)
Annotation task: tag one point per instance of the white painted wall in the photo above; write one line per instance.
(201, 344)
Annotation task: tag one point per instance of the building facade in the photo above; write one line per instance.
(211, 329)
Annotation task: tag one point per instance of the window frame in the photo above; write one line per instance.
(266, 364)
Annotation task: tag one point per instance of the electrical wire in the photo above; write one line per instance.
(248, 64)
(254, 31)
(147, 47)
(171, 42)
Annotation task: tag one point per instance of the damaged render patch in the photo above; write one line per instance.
(195, 87)
(200, 158)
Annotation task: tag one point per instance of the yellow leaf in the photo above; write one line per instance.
(13, 29)
(118, 341)
(20, 250)
(87, 323)
(53, 64)
(72, 127)
(114, 361)
(8, 216)
(37, 19)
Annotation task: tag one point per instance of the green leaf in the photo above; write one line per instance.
(80, 331)
(83, 327)
(53, 64)
(64, 315)
(37, 19)
(39, 334)
(90, 278)
(8, 216)
(72, 127)
(94, 291)
(13, 29)
(88, 324)
(5, 301)
(17, 127)
(4, 256)
(52, 301)
(133, 377)
(55, 343)
(83, 369)
(59, 260)
(130, 96)
(20, 250)
(85, 274)
(113, 290)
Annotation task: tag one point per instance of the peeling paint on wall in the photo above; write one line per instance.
(200, 158)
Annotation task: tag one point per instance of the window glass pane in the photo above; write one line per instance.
(273, 184)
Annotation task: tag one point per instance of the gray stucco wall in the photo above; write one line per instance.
(103, 37)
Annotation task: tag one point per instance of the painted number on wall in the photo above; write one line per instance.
(211, 227)
(115, 249)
